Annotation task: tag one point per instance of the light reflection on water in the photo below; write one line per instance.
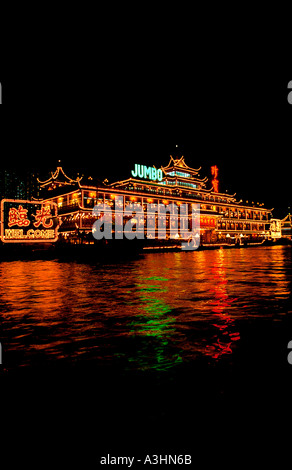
(156, 312)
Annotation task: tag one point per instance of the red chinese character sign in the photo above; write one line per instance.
(18, 217)
(43, 217)
(215, 181)
(28, 221)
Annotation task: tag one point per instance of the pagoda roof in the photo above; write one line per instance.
(179, 164)
(59, 177)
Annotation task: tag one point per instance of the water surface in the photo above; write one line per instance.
(155, 313)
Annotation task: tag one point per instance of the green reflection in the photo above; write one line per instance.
(150, 288)
(153, 327)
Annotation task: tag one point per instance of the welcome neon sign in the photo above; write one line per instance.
(151, 173)
(28, 221)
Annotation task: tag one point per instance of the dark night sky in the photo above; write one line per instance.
(103, 90)
(231, 111)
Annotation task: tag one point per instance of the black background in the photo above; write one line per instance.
(232, 112)
(100, 103)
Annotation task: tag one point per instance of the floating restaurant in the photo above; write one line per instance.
(223, 219)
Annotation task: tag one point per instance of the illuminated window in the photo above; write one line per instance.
(179, 173)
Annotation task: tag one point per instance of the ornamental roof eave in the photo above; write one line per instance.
(147, 183)
(223, 195)
(59, 176)
(123, 182)
(59, 190)
(253, 208)
(179, 164)
(287, 219)
(230, 198)
(88, 184)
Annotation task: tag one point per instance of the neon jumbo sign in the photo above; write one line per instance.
(142, 171)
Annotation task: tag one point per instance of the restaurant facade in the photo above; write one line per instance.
(149, 200)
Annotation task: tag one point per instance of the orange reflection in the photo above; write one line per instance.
(37, 290)
(220, 304)
(157, 312)
(43, 306)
